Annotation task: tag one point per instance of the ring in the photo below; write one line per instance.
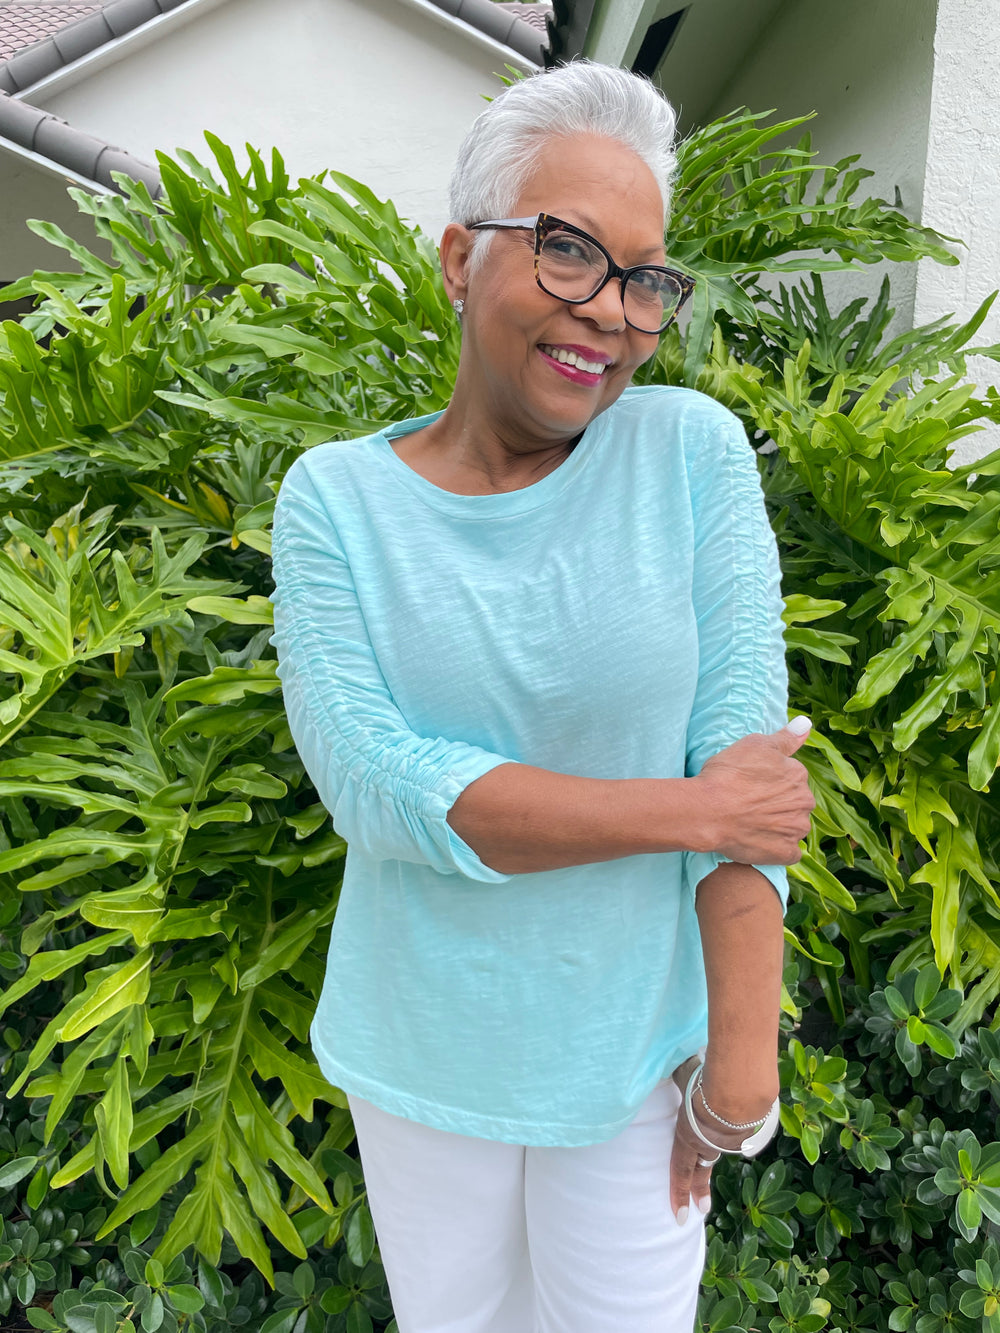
(706, 1161)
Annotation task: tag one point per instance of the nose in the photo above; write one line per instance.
(605, 309)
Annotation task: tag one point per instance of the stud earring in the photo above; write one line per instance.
(459, 305)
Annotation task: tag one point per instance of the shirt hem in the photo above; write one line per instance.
(446, 1118)
(498, 1129)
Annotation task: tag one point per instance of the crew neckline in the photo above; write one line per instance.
(496, 504)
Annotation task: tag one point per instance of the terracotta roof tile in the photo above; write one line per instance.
(536, 14)
(22, 25)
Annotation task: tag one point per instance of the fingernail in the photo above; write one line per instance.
(705, 1204)
(682, 1216)
(799, 726)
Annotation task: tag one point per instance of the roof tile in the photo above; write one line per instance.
(22, 25)
(537, 15)
(82, 37)
(129, 14)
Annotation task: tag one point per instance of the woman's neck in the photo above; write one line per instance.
(470, 461)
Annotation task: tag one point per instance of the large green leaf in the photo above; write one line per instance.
(174, 872)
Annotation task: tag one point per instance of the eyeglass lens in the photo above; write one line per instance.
(570, 268)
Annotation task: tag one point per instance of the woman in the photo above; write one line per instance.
(531, 654)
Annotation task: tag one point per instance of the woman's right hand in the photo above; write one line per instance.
(756, 799)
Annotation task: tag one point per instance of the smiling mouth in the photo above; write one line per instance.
(568, 358)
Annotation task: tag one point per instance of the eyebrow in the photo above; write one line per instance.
(590, 224)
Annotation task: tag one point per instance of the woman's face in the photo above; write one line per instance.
(511, 328)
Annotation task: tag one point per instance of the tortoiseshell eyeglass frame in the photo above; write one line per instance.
(546, 223)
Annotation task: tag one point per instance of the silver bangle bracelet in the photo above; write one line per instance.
(750, 1146)
(729, 1124)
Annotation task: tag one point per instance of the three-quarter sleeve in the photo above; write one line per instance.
(388, 789)
(742, 680)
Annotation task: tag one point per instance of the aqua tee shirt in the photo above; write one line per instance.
(619, 618)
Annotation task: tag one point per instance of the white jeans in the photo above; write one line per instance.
(485, 1237)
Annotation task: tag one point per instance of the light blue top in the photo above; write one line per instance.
(619, 618)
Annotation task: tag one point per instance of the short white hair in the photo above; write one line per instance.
(499, 152)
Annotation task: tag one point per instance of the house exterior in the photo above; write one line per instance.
(913, 86)
(385, 89)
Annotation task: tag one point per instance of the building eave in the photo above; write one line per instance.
(82, 48)
(83, 157)
(502, 29)
(10, 148)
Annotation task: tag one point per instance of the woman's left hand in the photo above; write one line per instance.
(691, 1161)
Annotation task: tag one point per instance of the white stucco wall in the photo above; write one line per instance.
(913, 86)
(865, 67)
(28, 190)
(962, 186)
(379, 89)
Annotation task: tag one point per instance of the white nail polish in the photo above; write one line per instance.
(705, 1204)
(799, 726)
(682, 1216)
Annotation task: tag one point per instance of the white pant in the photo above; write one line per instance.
(485, 1237)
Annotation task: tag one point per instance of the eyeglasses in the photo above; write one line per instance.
(573, 267)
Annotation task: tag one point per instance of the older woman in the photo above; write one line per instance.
(531, 655)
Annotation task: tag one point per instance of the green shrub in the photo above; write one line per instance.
(167, 877)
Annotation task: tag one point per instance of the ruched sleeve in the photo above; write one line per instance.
(388, 789)
(742, 680)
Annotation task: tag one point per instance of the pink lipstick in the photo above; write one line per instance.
(581, 365)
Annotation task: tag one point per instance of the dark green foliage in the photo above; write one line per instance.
(167, 878)
(864, 1222)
